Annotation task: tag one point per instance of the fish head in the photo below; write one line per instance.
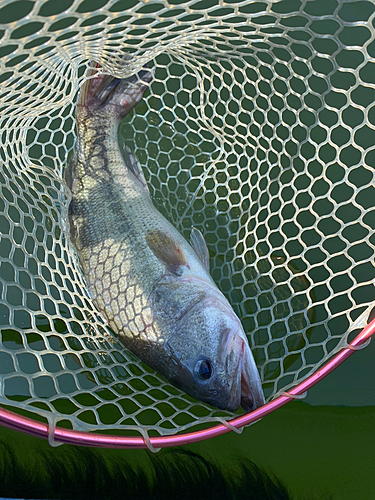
(212, 357)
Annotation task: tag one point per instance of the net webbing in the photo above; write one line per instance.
(258, 130)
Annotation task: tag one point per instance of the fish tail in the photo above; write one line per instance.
(106, 93)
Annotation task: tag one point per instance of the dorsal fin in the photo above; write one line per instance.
(199, 246)
(135, 167)
(167, 250)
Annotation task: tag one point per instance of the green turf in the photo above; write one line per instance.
(317, 451)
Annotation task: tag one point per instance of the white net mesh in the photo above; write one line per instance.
(258, 130)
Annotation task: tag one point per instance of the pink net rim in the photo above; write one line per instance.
(59, 435)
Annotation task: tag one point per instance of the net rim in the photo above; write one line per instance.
(57, 435)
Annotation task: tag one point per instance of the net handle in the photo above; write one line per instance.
(39, 429)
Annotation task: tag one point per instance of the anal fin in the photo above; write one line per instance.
(135, 168)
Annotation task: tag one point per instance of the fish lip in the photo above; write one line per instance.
(246, 390)
(252, 396)
(235, 388)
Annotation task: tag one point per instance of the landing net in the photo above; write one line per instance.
(258, 130)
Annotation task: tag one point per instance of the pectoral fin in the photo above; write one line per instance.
(167, 250)
(199, 246)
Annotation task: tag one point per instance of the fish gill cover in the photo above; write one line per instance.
(258, 130)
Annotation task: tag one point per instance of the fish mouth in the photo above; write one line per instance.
(246, 390)
(246, 387)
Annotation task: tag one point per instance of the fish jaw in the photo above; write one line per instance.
(252, 396)
(246, 390)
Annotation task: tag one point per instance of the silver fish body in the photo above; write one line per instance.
(152, 286)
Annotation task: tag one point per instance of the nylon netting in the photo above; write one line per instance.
(258, 130)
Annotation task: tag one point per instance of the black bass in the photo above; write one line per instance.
(153, 288)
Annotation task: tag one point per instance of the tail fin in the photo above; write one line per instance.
(105, 92)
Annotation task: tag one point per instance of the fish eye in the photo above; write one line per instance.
(203, 369)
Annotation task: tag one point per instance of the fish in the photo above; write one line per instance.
(153, 287)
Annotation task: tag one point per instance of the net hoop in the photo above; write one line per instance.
(58, 435)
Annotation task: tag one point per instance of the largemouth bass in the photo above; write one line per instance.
(152, 286)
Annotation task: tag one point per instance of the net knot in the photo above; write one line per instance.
(147, 440)
(51, 432)
(293, 396)
(237, 430)
(357, 347)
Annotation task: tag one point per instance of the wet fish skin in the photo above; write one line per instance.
(153, 288)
